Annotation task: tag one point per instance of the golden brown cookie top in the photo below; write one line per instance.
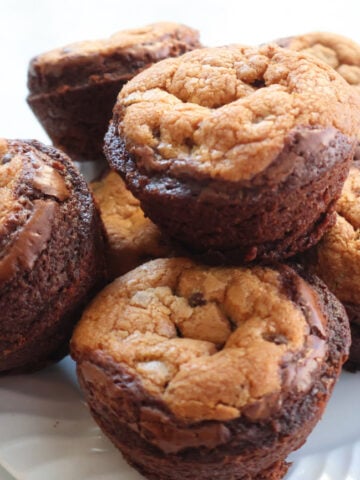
(210, 342)
(341, 53)
(225, 112)
(337, 259)
(137, 42)
(133, 238)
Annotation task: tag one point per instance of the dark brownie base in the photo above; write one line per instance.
(39, 308)
(75, 106)
(357, 152)
(250, 449)
(155, 468)
(76, 119)
(280, 212)
(353, 311)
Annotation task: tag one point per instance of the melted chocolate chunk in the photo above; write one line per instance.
(276, 338)
(6, 158)
(258, 83)
(197, 300)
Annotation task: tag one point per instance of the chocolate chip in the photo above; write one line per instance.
(251, 254)
(189, 142)
(178, 331)
(196, 299)
(258, 83)
(357, 154)
(276, 338)
(314, 330)
(156, 133)
(6, 158)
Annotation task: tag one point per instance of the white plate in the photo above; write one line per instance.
(46, 433)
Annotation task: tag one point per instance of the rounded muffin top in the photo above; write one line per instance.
(31, 187)
(341, 53)
(225, 112)
(88, 59)
(337, 259)
(212, 343)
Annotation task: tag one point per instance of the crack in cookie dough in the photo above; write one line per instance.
(225, 112)
(338, 253)
(341, 53)
(181, 328)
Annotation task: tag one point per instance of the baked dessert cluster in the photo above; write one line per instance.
(73, 88)
(210, 372)
(234, 156)
(52, 246)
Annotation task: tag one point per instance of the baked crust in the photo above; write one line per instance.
(282, 211)
(133, 238)
(339, 52)
(51, 253)
(336, 259)
(120, 54)
(72, 89)
(236, 149)
(225, 112)
(172, 356)
(219, 316)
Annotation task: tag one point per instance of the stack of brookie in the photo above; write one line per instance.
(217, 360)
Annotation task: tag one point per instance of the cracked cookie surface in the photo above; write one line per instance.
(210, 372)
(180, 327)
(72, 89)
(225, 112)
(341, 53)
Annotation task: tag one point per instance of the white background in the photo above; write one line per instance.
(30, 27)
